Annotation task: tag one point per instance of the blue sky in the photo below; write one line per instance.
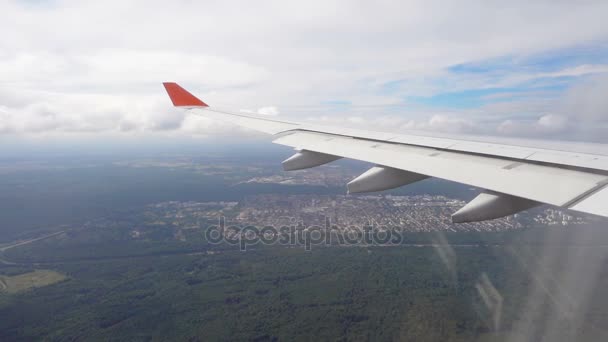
(541, 71)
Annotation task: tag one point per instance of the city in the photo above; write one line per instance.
(421, 213)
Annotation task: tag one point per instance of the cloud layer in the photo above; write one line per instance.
(522, 68)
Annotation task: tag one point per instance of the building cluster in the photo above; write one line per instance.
(422, 213)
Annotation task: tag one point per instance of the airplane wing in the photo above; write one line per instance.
(514, 176)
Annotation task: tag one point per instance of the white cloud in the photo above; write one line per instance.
(270, 110)
(581, 114)
(97, 66)
(356, 119)
(549, 124)
(444, 123)
(579, 70)
(553, 122)
(588, 101)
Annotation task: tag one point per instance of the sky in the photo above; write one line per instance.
(85, 69)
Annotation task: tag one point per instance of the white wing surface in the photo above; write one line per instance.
(515, 174)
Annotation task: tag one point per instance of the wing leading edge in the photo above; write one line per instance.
(515, 176)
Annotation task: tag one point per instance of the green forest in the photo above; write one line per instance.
(156, 291)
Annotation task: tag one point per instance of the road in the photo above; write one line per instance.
(21, 243)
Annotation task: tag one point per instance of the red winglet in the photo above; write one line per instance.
(181, 97)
